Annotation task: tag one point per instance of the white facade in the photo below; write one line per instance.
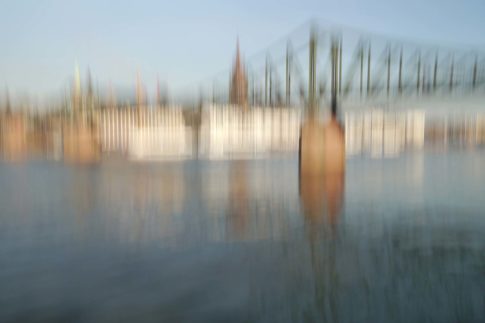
(146, 133)
(383, 134)
(230, 132)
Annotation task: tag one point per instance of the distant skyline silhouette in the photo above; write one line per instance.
(182, 42)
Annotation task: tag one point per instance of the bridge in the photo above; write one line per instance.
(318, 65)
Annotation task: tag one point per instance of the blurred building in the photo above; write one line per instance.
(238, 91)
(229, 132)
(384, 134)
(140, 92)
(76, 94)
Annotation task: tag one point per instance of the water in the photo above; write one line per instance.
(395, 240)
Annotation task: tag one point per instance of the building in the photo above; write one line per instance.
(238, 91)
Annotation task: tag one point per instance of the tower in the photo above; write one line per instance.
(7, 102)
(140, 92)
(238, 91)
(90, 92)
(158, 100)
(76, 90)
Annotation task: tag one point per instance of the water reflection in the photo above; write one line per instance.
(322, 198)
(82, 198)
(244, 241)
(239, 199)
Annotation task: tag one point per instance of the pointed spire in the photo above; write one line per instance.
(158, 92)
(76, 89)
(112, 96)
(77, 80)
(237, 51)
(89, 91)
(238, 68)
(7, 101)
(238, 87)
(89, 83)
(140, 95)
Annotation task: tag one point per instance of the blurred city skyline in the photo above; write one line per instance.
(181, 44)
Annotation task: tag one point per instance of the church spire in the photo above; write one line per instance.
(238, 54)
(139, 91)
(76, 90)
(7, 101)
(239, 84)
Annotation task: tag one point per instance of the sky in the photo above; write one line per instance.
(185, 41)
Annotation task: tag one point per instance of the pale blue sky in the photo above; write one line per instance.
(184, 41)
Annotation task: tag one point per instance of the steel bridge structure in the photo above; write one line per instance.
(324, 66)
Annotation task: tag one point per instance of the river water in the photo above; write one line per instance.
(397, 239)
